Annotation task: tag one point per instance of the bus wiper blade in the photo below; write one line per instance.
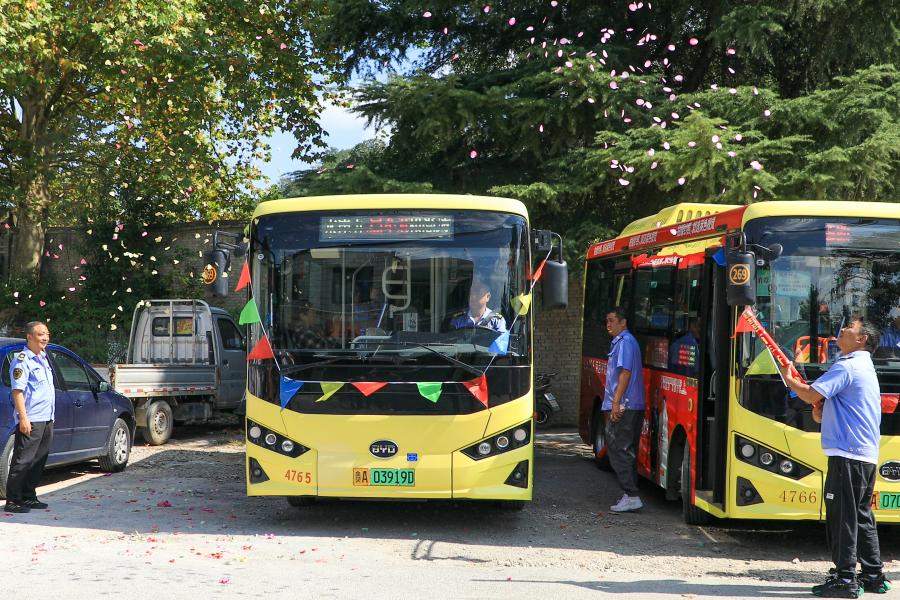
(447, 357)
(318, 363)
(328, 359)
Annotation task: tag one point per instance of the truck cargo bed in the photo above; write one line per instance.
(147, 381)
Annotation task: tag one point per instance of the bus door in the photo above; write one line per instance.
(715, 371)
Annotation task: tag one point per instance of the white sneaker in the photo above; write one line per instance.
(627, 503)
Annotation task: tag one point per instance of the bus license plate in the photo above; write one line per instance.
(399, 477)
(888, 501)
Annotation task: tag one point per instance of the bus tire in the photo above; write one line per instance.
(159, 425)
(5, 463)
(598, 436)
(301, 501)
(692, 515)
(511, 505)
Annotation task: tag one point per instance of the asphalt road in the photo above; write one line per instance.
(177, 524)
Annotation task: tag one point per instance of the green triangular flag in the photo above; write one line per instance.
(430, 390)
(328, 389)
(249, 314)
(763, 364)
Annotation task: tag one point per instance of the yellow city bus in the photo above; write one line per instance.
(369, 377)
(721, 430)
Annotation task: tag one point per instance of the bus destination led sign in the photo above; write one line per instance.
(395, 227)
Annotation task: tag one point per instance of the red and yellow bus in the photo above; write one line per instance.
(721, 431)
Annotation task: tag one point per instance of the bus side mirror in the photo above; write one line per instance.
(555, 284)
(215, 272)
(740, 269)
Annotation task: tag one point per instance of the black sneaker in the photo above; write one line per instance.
(835, 587)
(875, 584)
(35, 504)
(14, 507)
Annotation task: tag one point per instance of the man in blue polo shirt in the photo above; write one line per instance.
(34, 399)
(847, 401)
(479, 315)
(623, 403)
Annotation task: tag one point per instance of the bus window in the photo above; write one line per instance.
(654, 297)
(598, 294)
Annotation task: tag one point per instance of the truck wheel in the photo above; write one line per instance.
(118, 448)
(6, 463)
(598, 433)
(159, 423)
(543, 415)
(692, 514)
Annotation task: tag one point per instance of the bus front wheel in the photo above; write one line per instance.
(598, 431)
(692, 515)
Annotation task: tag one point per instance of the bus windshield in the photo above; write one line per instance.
(831, 270)
(392, 295)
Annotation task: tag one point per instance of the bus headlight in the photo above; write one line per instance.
(759, 456)
(502, 442)
(263, 437)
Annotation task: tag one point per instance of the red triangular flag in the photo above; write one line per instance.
(368, 387)
(244, 279)
(743, 326)
(262, 350)
(540, 271)
(479, 389)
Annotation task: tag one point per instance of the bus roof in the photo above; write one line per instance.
(391, 201)
(674, 225)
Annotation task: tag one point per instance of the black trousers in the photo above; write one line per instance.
(622, 439)
(849, 522)
(28, 458)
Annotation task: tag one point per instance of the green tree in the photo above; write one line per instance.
(151, 107)
(570, 106)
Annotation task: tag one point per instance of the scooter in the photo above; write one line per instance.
(545, 404)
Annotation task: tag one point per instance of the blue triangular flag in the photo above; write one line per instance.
(719, 257)
(500, 345)
(289, 387)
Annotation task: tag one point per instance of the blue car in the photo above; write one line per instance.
(92, 421)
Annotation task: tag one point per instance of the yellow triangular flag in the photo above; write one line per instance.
(521, 303)
(763, 364)
(329, 388)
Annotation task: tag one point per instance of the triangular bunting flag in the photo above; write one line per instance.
(368, 387)
(540, 271)
(328, 389)
(289, 387)
(430, 390)
(249, 314)
(500, 345)
(743, 326)
(763, 364)
(244, 279)
(262, 350)
(521, 303)
(479, 388)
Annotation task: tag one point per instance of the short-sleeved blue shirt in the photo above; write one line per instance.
(33, 374)
(624, 353)
(890, 338)
(491, 319)
(851, 417)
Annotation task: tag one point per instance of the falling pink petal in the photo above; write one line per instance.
(691, 144)
(651, 152)
(632, 7)
(693, 41)
(42, 303)
(730, 51)
(623, 182)
(282, 46)
(613, 85)
(681, 181)
(653, 164)
(715, 139)
(512, 21)
(767, 113)
(674, 115)
(473, 154)
(738, 137)
(427, 14)
(756, 165)
(541, 128)
(671, 47)
(554, 3)
(487, 8)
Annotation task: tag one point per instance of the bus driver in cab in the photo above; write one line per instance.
(479, 315)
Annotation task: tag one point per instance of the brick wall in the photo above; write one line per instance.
(557, 349)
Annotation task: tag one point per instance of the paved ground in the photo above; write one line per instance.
(176, 524)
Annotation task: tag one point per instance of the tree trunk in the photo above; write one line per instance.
(28, 235)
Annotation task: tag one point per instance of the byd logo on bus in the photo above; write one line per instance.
(383, 448)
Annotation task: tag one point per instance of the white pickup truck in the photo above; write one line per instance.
(186, 363)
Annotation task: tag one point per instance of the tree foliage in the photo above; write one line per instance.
(597, 113)
(149, 109)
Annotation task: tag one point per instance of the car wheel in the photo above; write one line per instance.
(601, 453)
(118, 448)
(6, 463)
(159, 423)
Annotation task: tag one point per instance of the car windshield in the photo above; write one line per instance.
(831, 271)
(391, 290)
